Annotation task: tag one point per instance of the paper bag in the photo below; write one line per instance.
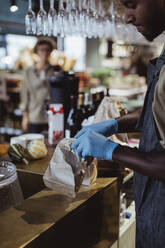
(67, 172)
(110, 108)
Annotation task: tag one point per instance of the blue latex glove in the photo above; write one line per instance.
(106, 128)
(94, 145)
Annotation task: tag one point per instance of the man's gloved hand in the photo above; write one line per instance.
(95, 145)
(106, 128)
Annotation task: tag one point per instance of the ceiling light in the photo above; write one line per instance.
(13, 6)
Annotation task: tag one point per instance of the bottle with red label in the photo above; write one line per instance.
(56, 123)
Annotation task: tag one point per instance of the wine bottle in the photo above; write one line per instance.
(80, 111)
(93, 103)
(101, 96)
(87, 105)
(107, 92)
(71, 125)
(96, 102)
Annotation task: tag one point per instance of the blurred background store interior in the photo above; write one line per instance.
(115, 63)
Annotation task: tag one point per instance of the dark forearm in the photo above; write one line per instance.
(147, 163)
(127, 123)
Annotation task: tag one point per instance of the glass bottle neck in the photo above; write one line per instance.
(80, 100)
(73, 102)
(86, 99)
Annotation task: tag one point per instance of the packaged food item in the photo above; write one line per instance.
(37, 149)
(67, 172)
(24, 139)
(18, 140)
(32, 136)
(56, 123)
(28, 147)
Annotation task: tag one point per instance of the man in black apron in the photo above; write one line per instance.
(148, 161)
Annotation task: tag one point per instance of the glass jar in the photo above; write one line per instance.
(10, 190)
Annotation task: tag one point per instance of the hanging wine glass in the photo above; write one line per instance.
(79, 22)
(61, 19)
(92, 19)
(100, 23)
(30, 20)
(77, 19)
(107, 26)
(120, 27)
(83, 17)
(86, 20)
(117, 23)
(72, 17)
(113, 20)
(52, 19)
(67, 28)
(95, 18)
(42, 21)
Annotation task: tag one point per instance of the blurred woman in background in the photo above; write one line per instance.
(35, 89)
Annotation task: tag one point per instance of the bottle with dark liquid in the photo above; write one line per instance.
(80, 111)
(94, 107)
(107, 92)
(101, 95)
(96, 102)
(87, 105)
(71, 125)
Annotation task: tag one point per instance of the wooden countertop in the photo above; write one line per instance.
(20, 225)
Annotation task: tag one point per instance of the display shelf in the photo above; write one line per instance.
(128, 92)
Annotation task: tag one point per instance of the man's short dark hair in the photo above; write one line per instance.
(44, 42)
